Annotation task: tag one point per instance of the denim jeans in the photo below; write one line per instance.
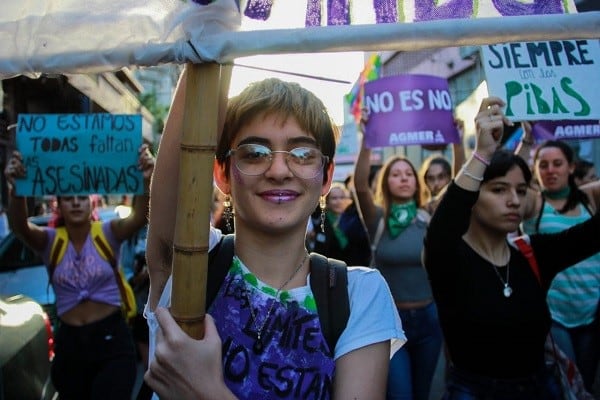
(462, 385)
(581, 344)
(412, 367)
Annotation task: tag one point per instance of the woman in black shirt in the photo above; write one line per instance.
(492, 308)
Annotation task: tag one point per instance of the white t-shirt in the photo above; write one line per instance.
(289, 345)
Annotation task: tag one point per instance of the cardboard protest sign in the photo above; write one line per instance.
(73, 154)
(554, 80)
(409, 110)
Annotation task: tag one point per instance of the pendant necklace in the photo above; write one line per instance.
(259, 345)
(507, 291)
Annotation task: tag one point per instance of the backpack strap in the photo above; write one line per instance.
(59, 247)
(376, 239)
(329, 283)
(527, 250)
(106, 252)
(102, 244)
(57, 252)
(219, 261)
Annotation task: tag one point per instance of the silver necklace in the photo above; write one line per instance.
(259, 345)
(507, 291)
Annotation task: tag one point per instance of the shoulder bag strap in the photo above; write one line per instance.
(101, 244)
(527, 251)
(375, 241)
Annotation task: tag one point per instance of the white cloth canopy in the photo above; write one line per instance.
(74, 36)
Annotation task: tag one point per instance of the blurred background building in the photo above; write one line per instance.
(462, 67)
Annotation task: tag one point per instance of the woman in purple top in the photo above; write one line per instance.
(94, 352)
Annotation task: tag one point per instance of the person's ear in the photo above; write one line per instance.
(220, 177)
(327, 180)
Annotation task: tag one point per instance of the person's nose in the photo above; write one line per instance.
(279, 165)
(514, 200)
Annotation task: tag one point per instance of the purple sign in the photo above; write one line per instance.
(409, 110)
(566, 129)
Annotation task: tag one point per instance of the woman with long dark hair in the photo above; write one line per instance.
(492, 307)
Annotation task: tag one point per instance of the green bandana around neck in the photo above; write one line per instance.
(401, 216)
(561, 194)
(339, 234)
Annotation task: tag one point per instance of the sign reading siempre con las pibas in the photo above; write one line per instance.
(73, 154)
(554, 80)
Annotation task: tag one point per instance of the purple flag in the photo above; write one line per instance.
(409, 110)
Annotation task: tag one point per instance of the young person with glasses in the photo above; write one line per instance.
(263, 337)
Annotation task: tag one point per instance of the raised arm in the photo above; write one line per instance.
(452, 216)
(523, 149)
(458, 149)
(163, 197)
(364, 194)
(489, 124)
(592, 190)
(127, 227)
(34, 236)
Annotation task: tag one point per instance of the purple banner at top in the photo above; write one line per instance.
(565, 130)
(409, 110)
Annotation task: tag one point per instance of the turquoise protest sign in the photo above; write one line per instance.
(72, 154)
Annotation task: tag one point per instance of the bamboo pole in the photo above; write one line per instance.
(207, 87)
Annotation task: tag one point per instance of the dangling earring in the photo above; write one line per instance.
(228, 213)
(322, 204)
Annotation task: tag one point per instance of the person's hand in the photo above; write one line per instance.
(186, 368)
(489, 124)
(460, 128)
(527, 137)
(146, 161)
(14, 168)
(362, 126)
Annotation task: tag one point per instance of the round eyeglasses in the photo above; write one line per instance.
(256, 159)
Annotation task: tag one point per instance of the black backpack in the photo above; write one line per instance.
(328, 281)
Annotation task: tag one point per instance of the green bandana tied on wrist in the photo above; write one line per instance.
(401, 216)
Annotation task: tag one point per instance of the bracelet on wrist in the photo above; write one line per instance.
(470, 175)
(479, 157)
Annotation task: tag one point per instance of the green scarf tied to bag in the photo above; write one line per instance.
(401, 216)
